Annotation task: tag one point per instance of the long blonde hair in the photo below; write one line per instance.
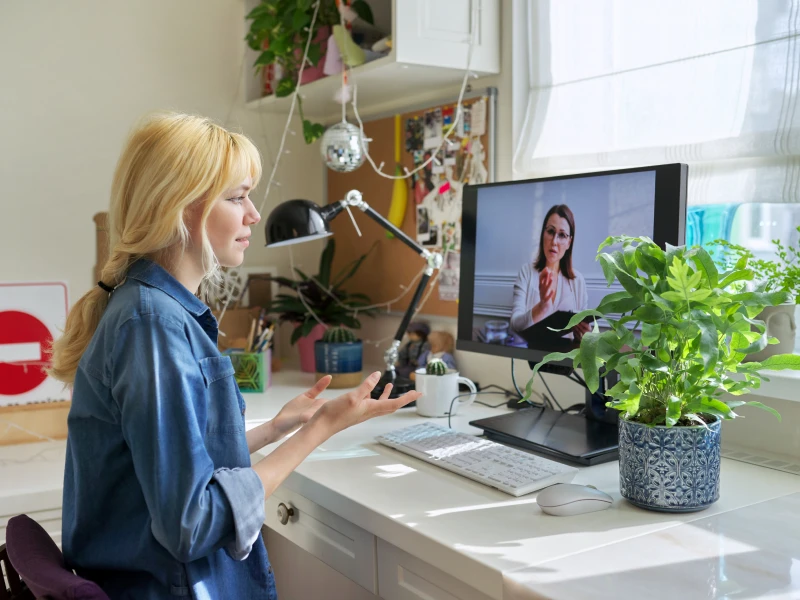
(169, 162)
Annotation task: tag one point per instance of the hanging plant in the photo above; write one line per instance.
(279, 31)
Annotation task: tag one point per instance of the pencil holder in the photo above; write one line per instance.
(251, 373)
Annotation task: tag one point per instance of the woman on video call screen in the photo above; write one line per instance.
(550, 284)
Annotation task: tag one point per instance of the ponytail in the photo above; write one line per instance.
(83, 319)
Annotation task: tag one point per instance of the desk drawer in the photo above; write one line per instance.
(332, 539)
(402, 576)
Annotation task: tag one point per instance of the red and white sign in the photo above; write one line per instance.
(31, 315)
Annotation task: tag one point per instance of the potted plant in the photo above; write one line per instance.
(677, 375)
(339, 354)
(782, 274)
(436, 366)
(279, 31)
(320, 297)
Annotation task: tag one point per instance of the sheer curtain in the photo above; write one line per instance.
(713, 83)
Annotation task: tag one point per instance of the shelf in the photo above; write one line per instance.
(383, 85)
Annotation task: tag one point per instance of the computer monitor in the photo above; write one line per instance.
(510, 302)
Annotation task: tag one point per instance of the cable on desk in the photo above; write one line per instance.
(450, 411)
(502, 389)
(514, 380)
(521, 395)
(552, 396)
(577, 378)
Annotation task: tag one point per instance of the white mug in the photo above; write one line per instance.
(438, 392)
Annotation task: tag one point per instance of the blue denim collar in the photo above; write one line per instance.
(155, 275)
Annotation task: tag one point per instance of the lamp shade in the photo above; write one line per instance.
(296, 221)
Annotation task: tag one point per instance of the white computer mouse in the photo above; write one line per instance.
(568, 499)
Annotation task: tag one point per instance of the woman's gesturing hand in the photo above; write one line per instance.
(547, 287)
(358, 406)
(298, 411)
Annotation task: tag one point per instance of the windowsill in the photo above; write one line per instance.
(782, 384)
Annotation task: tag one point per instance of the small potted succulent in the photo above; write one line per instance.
(436, 366)
(781, 274)
(677, 336)
(339, 354)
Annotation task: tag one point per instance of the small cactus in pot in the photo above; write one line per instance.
(436, 366)
(339, 354)
(338, 335)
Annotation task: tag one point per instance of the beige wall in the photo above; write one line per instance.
(75, 77)
(77, 74)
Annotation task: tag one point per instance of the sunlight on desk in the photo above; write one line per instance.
(394, 470)
(557, 541)
(458, 509)
(341, 454)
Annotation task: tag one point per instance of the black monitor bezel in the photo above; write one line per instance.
(669, 227)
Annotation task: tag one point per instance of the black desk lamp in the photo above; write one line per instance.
(297, 221)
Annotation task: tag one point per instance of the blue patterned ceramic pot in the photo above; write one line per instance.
(670, 469)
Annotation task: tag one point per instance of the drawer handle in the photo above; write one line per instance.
(285, 513)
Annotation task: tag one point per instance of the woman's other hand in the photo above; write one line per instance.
(298, 411)
(580, 330)
(358, 406)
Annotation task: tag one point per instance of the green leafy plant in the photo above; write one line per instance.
(324, 295)
(695, 333)
(782, 274)
(284, 26)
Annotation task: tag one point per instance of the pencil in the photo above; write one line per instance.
(250, 335)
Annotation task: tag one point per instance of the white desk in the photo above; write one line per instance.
(481, 543)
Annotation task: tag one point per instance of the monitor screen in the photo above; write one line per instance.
(529, 252)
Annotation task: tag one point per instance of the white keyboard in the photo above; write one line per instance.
(509, 470)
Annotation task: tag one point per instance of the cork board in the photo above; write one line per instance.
(391, 265)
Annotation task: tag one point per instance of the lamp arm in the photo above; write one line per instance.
(354, 198)
(434, 260)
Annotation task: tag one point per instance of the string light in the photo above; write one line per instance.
(378, 169)
(291, 106)
(458, 116)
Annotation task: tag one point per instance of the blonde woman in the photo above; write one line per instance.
(160, 498)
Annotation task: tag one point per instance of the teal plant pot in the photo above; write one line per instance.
(335, 358)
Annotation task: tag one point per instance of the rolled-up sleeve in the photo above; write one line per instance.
(245, 493)
(158, 385)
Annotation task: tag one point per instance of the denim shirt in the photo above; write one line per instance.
(159, 497)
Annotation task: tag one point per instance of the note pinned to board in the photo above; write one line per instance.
(478, 118)
(32, 314)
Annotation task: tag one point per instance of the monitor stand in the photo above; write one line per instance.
(587, 439)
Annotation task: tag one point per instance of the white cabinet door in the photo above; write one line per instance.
(301, 576)
(402, 576)
(437, 33)
(332, 539)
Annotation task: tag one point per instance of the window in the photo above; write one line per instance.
(714, 83)
(618, 83)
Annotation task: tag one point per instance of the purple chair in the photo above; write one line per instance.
(41, 566)
(16, 590)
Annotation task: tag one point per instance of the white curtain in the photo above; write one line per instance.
(714, 83)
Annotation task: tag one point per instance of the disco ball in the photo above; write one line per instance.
(341, 147)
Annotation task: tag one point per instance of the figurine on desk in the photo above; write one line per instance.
(408, 359)
(441, 345)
